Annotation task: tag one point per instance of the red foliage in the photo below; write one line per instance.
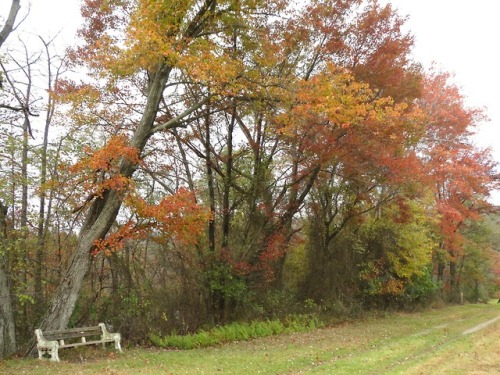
(176, 218)
(275, 249)
(101, 18)
(460, 174)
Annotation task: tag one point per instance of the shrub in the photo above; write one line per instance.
(237, 332)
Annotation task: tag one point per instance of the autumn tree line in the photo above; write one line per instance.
(191, 163)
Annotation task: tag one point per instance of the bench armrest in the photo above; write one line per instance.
(109, 336)
(44, 345)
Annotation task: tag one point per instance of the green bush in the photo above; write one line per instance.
(237, 332)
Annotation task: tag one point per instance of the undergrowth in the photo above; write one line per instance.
(237, 332)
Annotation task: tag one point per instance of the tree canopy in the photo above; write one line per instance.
(233, 157)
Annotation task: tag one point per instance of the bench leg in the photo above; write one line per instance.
(117, 345)
(54, 355)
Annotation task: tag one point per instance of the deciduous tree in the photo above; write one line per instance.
(7, 330)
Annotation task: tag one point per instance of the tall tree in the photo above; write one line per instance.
(7, 329)
(44, 213)
(262, 108)
(162, 40)
(461, 175)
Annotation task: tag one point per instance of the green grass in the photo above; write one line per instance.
(237, 332)
(429, 342)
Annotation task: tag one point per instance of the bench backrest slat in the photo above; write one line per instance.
(72, 333)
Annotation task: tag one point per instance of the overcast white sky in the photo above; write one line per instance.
(461, 37)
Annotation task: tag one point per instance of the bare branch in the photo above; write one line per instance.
(9, 107)
(177, 120)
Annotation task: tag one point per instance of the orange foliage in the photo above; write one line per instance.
(381, 281)
(115, 241)
(176, 218)
(342, 90)
(99, 171)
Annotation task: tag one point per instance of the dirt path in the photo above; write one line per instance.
(480, 326)
(426, 350)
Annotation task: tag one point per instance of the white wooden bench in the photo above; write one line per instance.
(49, 342)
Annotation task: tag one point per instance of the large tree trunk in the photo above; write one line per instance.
(7, 328)
(100, 217)
(7, 331)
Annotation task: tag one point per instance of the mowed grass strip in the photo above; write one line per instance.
(429, 342)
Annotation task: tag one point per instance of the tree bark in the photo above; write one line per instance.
(226, 209)
(11, 19)
(210, 182)
(454, 285)
(7, 328)
(7, 331)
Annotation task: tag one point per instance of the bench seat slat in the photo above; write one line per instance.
(75, 344)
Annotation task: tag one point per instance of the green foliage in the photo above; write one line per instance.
(237, 332)
(399, 247)
(419, 290)
(25, 299)
(295, 271)
(222, 279)
(477, 276)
